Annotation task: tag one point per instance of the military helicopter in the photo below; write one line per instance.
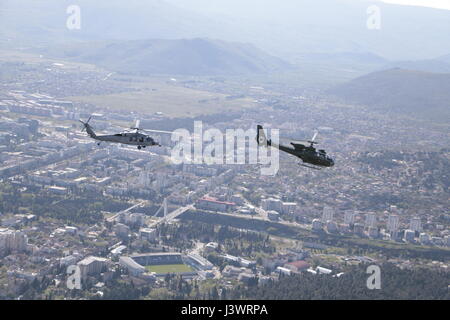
(134, 137)
(307, 154)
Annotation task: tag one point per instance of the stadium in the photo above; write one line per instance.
(159, 263)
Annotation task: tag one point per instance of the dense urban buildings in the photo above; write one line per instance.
(87, 219)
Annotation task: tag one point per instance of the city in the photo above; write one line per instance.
(136, 203)
(83, 219)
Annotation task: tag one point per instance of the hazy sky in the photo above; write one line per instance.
(442, 4)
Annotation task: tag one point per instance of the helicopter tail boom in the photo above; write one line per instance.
(261, 137)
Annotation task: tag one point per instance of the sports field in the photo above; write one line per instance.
(169, 268)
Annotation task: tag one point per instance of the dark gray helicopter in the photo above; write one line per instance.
(308, 154)
(134, 137)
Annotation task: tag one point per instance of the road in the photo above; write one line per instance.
(111, 219)
(172, 215)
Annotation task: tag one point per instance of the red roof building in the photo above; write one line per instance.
(297, 266)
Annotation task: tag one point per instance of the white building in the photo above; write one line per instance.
(424, 238)
(415, 224)
(118, 251)
(144, 179)
(211, 247)
(148, 234)
(12, 240)
(284, 271)
(327, 214)
(272, 204)
(322, 270)
(121, 230)
(349, 217)
(68, 260)
(371, 220)
(134, 268)
(393, 223)
(91, 266)
(132, 218)
(288, 207)
(241, 261)
(71, 230)
(198, 262)
(231, 271)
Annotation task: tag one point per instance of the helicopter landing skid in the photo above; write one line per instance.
(304, 165)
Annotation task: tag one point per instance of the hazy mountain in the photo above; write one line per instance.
(445, 58)
(44, 21)
(346, 58)
(438, 65)
(177, 57)
(288, 28)
(353, 63)
(398, 90)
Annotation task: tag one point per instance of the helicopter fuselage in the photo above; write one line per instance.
(308, 155)
(134, 138)
(131, 138)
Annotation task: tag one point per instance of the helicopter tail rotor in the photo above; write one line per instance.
(88, 128)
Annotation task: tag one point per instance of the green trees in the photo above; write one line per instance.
(122, 291)
(83, 208)
(396, 283)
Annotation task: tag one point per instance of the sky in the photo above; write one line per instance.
(441, 4)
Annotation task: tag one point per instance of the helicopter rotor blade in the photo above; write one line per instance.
(84, 125)
(291, 139)
(297, 141)
(157, 131)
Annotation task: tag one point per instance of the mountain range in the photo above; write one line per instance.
(287, 29)
(411, 92)
(196, 57)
